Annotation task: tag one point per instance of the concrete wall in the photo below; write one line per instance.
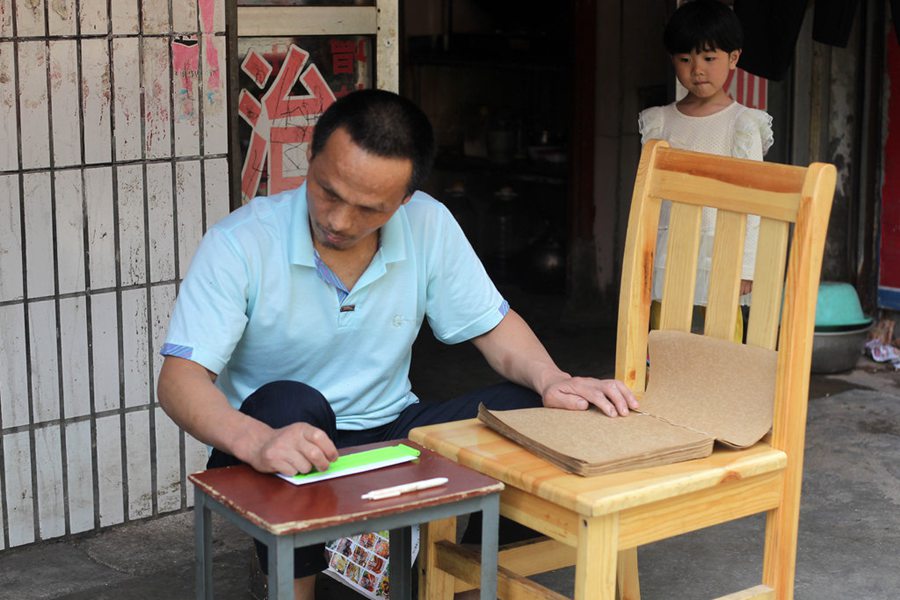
(112, 164)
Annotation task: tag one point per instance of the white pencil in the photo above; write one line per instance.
(390, 492)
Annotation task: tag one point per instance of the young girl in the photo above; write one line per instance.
(704, 39)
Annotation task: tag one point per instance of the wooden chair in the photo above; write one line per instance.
(598, 522)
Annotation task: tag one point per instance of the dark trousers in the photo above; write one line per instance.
(282, 403)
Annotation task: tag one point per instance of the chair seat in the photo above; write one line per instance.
(473, 444)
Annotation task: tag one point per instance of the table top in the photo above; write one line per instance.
(283, 508)
(473, 444)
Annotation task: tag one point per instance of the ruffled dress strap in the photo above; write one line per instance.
(752, 134)
(650, 123)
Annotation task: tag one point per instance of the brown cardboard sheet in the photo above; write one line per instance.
(589, 442)
(700, 390)
(723, 389)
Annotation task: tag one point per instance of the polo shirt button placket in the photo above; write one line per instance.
(345, 315)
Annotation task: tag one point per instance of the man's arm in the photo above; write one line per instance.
(514, 351)
(188, 395)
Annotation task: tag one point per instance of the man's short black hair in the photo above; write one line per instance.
(703, 25)
(384, 124)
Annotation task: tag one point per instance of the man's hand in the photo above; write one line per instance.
(187, 394)
(611, 396)
(513, 350)
(297, 448)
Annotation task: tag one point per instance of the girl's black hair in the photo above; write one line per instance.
(384, 124)
(703, 25)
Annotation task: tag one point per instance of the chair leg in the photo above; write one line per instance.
(780, 558)
(435, 584)
(628, 583)
(595, 567)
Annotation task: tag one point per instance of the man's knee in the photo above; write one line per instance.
(279, 404)
(282, 403)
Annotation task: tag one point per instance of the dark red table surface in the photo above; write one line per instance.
(281, 507)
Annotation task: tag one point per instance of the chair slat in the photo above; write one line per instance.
(757, 177)
(768, 283)
(681, 267)
(692, 189)
(724, 285)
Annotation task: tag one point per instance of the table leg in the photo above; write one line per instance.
(399, 568)
(202, 547)
(490, 521)
(595, 562)
(281, 567)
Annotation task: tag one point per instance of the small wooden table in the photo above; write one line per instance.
(284, 516)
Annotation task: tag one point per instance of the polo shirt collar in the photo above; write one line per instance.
(392, 242)
(393, 239)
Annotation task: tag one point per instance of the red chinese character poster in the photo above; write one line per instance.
(285, 85)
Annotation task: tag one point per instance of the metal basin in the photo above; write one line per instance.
(836, 351)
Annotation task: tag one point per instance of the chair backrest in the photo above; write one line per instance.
(793, 204)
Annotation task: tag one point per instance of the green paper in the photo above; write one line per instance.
(358, 462)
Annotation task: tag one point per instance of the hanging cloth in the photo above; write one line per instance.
(771, 28)
(833, 20)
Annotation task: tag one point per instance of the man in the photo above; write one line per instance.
(293, 329)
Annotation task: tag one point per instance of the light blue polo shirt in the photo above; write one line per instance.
(257, 305)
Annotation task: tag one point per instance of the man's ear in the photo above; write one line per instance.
(309, 153)
(733, 58)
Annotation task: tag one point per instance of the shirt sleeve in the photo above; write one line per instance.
(752, 134)
(461, 300)
(650, 124)
(211, 309)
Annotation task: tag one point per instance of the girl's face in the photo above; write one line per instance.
(704, 73)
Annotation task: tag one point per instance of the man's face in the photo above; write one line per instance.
(351, 193)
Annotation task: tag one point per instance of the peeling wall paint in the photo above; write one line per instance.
(841, 128)
(105, 190)
(207, 18)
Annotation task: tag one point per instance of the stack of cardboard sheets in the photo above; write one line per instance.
(701, 390)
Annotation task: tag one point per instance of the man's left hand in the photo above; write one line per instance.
(611, 396)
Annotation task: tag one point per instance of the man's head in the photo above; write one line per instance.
(370, 151)
(384, 124)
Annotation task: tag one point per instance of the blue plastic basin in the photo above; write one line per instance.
(837, 305)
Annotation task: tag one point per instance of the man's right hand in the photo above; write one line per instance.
(297, 448)
(189, 397)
